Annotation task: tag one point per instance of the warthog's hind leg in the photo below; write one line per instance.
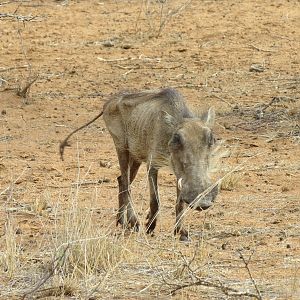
(124, 181)
(131, 216)
(154, 200)
(121, 215)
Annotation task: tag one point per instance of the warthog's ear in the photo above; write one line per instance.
(210, 118)
(168, 119)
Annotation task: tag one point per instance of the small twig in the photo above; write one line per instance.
(249, 272)
(100, 181)
(18, 17)
(274, 100)
(141, 57)
(228, 291)
(164, 19)
(127, 67)
(10, 187)
(24, 51)
(260, 49)
(187, 85)
(51, 291)
(9, 2)
(5, 138)
(221, 99)
(13, 68)
(115, 59)
(126, 73)
(23, 92)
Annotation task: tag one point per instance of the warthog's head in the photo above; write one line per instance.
(191, 147)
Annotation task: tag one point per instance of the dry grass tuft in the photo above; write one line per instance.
(86, 253)
(155, 15)
(231, 182)
(9, 258)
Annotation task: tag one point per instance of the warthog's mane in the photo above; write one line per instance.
(148, 126)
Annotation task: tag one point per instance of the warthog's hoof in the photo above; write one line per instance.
(184, 238)
(134, 224)
(121, 221)
(130, 224)
(150, 225)
(184, 235)
(135, 227)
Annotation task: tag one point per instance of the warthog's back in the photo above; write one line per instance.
(137, 122)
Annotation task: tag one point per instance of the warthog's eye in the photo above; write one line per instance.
(176, 141)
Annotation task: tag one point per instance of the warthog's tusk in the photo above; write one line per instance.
(179, 184)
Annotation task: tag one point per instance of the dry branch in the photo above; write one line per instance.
(171, 13)
(24, 91)
(18, 17)
(246, 262)
(54, 267)
(12, 68)
(9, 2)
(228, 291)
(141, 57)
(260, 49)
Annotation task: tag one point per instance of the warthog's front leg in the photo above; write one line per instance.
(124, 180)
(154, 200)
(179, 209)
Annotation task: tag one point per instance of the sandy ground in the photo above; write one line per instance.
(241, 57)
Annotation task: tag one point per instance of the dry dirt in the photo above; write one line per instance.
(241, 57)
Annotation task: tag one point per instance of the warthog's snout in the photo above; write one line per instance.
(198, 198)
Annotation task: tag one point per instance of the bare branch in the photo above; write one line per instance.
(9, 2)
(24, 91)
(246, 262)
(260, 49)
(18, 17)
(55, 264)
(228, 291)
(13, 68)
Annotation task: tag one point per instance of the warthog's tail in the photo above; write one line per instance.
(64, 143)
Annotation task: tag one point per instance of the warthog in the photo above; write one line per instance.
(157, 127)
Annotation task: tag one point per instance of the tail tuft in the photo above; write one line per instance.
(62, 148)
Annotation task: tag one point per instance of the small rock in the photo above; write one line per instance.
(256, 68)
(235, 108)
(208, 226)
(104, 180)
(276, 221)
(126, 46)
(184, 238)
(227, 126)
(19, 231)
(105, 164)
(108, 43)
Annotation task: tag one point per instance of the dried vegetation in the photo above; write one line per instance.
(57, 235)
